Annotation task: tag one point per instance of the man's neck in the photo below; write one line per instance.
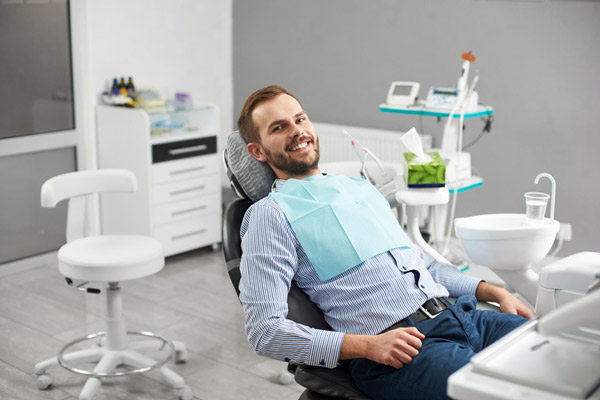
(285, 176)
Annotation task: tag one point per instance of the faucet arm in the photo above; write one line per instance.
(551, 178)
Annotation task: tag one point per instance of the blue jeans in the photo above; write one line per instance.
(451, 339)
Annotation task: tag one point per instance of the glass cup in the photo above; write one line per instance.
(535, 206)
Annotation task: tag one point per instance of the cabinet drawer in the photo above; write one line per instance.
(189, 234)
(185, 168)
(185, 209)
(184, 149)
(186, 189)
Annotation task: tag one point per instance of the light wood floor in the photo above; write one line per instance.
(190, 300)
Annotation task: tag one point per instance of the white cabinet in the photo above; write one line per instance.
(175, 158)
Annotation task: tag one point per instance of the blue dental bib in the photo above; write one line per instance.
(339, 221)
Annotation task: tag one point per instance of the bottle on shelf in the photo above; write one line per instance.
(130, 88)
(122, 87)
(114, 90)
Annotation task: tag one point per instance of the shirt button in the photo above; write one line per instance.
(404, 268)
(422, 286)
(322, 362)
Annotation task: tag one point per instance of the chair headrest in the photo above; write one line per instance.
(249, 177)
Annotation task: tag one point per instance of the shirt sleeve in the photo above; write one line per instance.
(455, 281)
(269, 263)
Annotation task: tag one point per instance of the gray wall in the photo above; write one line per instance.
(538, 63)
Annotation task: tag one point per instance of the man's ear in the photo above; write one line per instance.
(256, 151)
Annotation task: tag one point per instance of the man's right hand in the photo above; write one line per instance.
(394, 348)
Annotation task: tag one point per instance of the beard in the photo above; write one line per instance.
(294, 167)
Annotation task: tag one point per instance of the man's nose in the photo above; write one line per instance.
(296, 131)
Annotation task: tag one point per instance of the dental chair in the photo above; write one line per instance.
(251, 180)
(89, 256)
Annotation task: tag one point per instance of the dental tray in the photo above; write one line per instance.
(555, 364)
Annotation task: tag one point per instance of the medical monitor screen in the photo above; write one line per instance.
(402, 90)
(36, 93)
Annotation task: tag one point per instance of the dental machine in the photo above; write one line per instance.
(403, 93)
(556, 356)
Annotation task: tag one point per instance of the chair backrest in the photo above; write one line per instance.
(79, 187)
(300, 308)
(249, 177)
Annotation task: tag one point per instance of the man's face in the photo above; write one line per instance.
(289, 143)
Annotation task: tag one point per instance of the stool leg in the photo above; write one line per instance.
(108, 362)
(145, 345)
(140, 360)
(116, 335)
(80, 356)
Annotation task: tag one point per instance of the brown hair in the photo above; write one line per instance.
(246, 126)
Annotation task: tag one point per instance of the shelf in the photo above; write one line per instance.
(464, 184)
(420, 109)
(198, 107)
(179, 134)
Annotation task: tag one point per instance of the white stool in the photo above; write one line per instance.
(90, 257)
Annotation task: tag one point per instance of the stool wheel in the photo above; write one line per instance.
(285, 377)
(185, 393)
(44, 381)
(181, 356)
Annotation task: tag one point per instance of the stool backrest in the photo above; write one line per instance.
(79, 187)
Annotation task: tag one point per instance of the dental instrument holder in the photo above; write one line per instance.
(414, 200)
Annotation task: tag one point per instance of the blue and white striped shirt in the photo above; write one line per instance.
(365, 299)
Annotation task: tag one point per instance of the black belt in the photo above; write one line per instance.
(430, 309)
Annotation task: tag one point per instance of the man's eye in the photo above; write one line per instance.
(300, 120)
(277, 128)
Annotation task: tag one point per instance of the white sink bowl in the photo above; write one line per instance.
(505, 241)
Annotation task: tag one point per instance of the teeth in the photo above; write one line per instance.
(300, 146)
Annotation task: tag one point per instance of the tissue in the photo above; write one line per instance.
(412, 142)
(422, 169)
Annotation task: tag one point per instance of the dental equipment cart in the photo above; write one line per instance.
(458, 170)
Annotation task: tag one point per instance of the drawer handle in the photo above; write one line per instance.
(188, 234)
(183, 171)
(192, 189)
(189, 210)
(190, 149)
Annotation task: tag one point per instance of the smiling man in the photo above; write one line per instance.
(337, 239)
(287, 140)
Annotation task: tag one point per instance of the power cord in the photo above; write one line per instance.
(487, 127)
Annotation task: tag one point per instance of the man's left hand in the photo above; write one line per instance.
(508, 303)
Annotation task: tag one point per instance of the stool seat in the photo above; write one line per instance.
(111, 258)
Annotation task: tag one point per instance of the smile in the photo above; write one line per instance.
(299, 146)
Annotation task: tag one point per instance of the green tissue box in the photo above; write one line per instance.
(431, 174)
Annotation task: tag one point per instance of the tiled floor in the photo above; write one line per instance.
(190, 300)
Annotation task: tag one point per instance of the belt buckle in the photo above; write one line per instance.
(427, 313)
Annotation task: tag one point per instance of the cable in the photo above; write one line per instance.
(459, 106)
(367, 153)
(486, 128)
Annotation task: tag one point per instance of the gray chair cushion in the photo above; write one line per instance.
(254, 177)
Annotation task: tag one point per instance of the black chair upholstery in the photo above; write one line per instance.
(321, 383)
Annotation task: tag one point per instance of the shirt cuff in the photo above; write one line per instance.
(325, 348)
(464, 285)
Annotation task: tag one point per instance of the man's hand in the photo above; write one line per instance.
(394, 348)
(508, 303)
